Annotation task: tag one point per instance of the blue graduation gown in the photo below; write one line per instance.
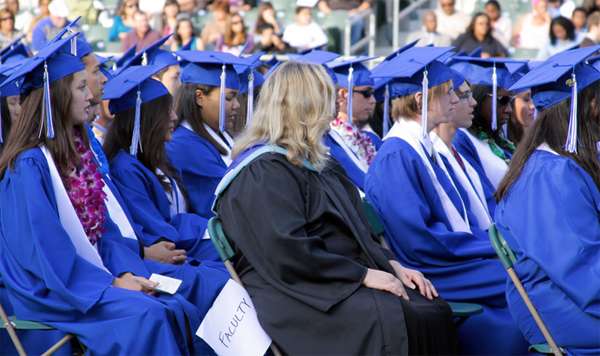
(462, 266)
(356, 175)
(550, 217)
(465, 147)
(147, 202)
(48, 281)
(201, 168)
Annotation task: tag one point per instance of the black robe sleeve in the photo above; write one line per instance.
(263, 213)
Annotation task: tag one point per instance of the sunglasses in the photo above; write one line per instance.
(504, 100)
(367, 93)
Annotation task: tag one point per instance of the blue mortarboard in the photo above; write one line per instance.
(494, 72)
(560, 77)
(250, 78)
(416, 69)
(102, 63)
(79, 45)
(127, 55)
(318, 57)
(130, 89)
(11, 45)
(153, 55)
(350, 73)
(400, 50)
(50, 64)
(16, 52)
(214, 69)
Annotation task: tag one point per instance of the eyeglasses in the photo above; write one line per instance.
(504, 100)
(367, 93)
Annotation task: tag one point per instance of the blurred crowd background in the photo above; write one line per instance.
(518, 28)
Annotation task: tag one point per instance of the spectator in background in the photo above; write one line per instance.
(48, 27)
(191, 7)
(554, 8)
(532, 27)
(501, 25)
(267, 40)
(186, 35)
(22, 19)
(169, 17)
(215, 29)
(592, 37)
(8, 33)
(562, 37)
(479, 35)
(123, 22)
(236, 39)
(238, 6)
(353, 7)
(43, 13)
(591, 6)
(304, 33)
(266, 15)
(141, 35)
(579, 19)
(429, 34)
(83, 8)
(450, 22)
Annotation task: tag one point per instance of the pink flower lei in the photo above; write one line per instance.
(359, 142)
(84, 186)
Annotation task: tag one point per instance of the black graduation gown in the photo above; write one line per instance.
(303, 247)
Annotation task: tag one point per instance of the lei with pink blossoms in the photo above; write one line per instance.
(359, 142)
(84, 186)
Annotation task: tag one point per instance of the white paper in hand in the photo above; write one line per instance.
(165, 284)
(231, 326)
(306, 3)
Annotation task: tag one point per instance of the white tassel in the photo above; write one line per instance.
(222, 125)
(250, 104)
(350, 94)
(494, 99)
(571, 144)
(424, 105)
(386, 110)
(135, 137)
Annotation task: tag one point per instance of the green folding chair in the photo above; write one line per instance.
(460, 311)
(12, 324)
(219, 239)
(508, 259)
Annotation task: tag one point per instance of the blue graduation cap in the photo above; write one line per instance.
(12, 44)
(400, 50)
(79, 46)
(15, 51)
(560, 77)
(50, 64)
(414, 70)
(214, 69)
(350, 73)
(127, 55)
(316, 56)
(132, 87)
(102, 65)
(494, 72)
(153, 55)
(249, 79)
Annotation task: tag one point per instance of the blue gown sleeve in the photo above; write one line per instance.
(561, 231)
(33, 232)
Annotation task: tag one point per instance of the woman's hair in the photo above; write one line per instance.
(408, 107)
(29, 130)
(551, 126)
(123, 5)
(260, 21)
(231, 38)
(6, 120)
(480, 123)
(494, 3)
(181, 18)
(186, 108)
(471, 28)
(168, 3)
(564, 23)
(294, 121)
(220, 5)
(153, 130)
(4, 12)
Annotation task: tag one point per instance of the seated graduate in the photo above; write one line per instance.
(63, 262)
(149, 185)
(426, 221)
(477, 191)
(484, 144)
(307, 255)
(349, 141)
(11, 57)
(201, 148)
(549, 207)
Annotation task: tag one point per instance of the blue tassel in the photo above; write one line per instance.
(386, 110)
(494, 99)
(250, 104)
(571, 144)
(48, 104)
(135, 138)
(350, 94)
(222, 126)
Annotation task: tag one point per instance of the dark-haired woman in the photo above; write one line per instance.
(479, 35)
(562, 36)
(64, 260)
(549, 213)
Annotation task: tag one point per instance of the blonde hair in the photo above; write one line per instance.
(408, 107)
(294, 109)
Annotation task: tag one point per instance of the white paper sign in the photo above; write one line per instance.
(231, 326)
(165, 284)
